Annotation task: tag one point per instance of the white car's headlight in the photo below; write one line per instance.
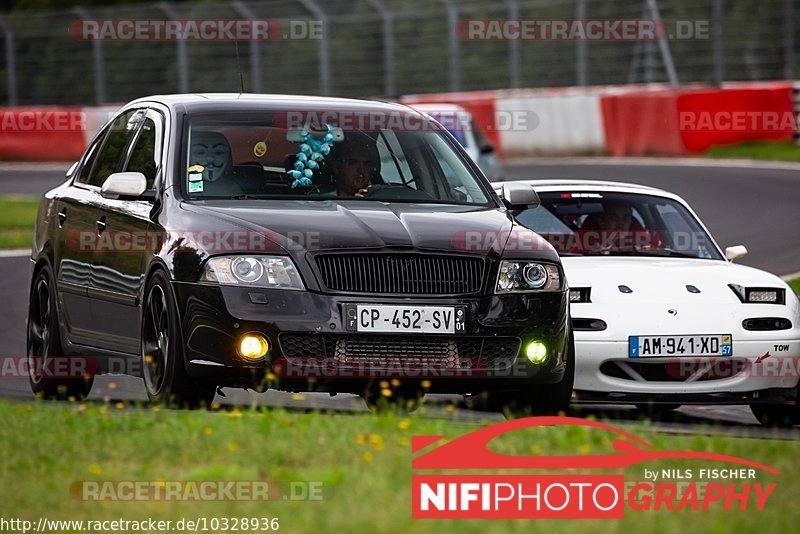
(521, 276)
(277, 272)
(759, 295)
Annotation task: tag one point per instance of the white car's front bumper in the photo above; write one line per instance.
(603, 371)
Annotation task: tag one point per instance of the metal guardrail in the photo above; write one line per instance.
(384, 48)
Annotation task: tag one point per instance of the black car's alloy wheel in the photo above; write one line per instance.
(163, 367)
(44, 344)
(155, 339)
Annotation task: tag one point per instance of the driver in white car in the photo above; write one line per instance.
(615, 230)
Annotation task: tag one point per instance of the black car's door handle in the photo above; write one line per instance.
(101, 224)
(62, 217)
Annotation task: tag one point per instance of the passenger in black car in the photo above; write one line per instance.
(212, 151)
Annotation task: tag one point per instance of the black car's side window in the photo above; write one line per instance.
(143, 156)
(91, 156)
(112, 155)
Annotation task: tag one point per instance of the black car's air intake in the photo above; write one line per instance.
(406, 274)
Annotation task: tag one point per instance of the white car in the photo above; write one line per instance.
(661, 315)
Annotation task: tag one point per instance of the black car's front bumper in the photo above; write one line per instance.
(311, 349)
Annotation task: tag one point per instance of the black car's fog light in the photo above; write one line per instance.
(536, 352)
(253, 346)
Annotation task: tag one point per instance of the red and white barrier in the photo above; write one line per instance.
(618, 120)
(49, 133)
(556, 124)
(632, 120)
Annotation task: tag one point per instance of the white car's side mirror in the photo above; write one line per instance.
(732, 253)
(124, 184)
(520, 195)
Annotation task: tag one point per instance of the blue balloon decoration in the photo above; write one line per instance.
(312, 152)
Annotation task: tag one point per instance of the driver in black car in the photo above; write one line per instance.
(353, 163)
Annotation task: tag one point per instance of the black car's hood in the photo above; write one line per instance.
(323, 225)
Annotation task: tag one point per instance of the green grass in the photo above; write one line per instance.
(795, 284)
(362, 460)
(762, 150)
(17, 218)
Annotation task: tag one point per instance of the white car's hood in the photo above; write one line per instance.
(659, 301)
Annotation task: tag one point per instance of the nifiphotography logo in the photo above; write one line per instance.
(714, 482)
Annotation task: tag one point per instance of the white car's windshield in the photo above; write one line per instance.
(234, 156)
(618, 224)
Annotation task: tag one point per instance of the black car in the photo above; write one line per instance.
(299, 243)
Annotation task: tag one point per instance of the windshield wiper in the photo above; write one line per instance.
(245, 196)
(668, 252)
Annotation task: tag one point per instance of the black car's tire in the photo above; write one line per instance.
(163, 368)
(44, 342)
(546, 399)
(776, 415)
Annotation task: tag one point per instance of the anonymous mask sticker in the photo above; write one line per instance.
(211, 151)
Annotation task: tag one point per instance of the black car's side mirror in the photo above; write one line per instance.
(71, 170)
(518, 195)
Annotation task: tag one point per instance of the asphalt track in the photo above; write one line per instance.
(757, 207)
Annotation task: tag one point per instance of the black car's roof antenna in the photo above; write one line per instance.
(239, 66)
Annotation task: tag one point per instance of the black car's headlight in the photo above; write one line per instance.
(278, 272)
(759, 295)
(522, 276)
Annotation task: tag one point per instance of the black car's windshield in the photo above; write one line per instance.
(265, 156)
(618, 224)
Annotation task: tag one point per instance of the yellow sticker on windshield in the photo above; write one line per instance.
(196, 168)
(260, 149)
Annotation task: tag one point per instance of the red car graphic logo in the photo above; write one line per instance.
(470, 451)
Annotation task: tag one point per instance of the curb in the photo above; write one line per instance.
(661, 162)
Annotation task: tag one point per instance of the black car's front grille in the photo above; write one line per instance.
(410, 352)
(406, 274)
